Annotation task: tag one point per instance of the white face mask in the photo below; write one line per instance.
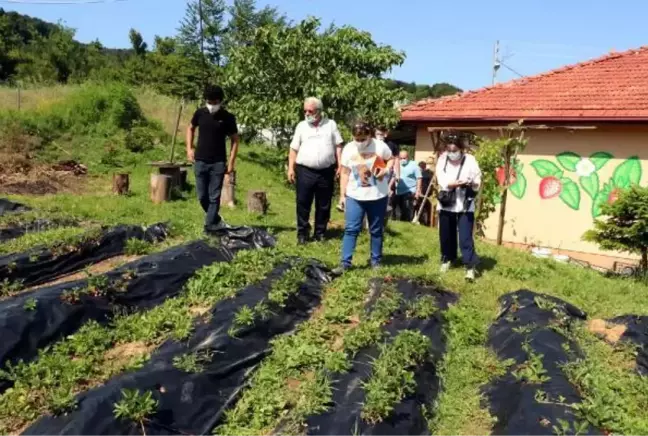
(454, 155)
(364, 144)
(213, 108)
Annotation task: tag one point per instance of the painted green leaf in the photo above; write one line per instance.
(601, 198)
(590, 185)
(570, 194)
(627, 173)
(568, 160)
(545, 168)
(518, 189)
(599, 159)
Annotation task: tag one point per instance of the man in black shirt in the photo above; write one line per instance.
(215, 125)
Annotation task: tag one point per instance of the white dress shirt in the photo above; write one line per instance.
(316, 145)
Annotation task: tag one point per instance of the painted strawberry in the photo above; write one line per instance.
(614, 196)
(550, 187)
(501, 176)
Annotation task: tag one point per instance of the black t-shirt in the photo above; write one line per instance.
(213, 130)
(395, 149)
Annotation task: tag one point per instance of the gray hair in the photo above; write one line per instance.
(315, 102)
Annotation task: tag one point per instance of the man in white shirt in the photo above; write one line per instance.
(313, 163)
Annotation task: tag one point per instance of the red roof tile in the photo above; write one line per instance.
(613, 87)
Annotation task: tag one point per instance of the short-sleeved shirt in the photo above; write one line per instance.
(363, 185)
(316, 146)
(213, 130)
(409, 175)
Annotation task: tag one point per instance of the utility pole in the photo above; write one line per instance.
(497, 62)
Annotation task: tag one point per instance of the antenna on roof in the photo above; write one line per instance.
(496, 61)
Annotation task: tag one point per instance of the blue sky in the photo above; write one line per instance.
(445, 41)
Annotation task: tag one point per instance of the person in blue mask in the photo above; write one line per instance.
(408, 188)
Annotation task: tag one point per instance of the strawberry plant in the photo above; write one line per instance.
(136, 407)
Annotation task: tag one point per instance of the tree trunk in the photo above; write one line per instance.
(160, 188)
(502, 217)
(227, 194)
(257, 202)
(121, 184)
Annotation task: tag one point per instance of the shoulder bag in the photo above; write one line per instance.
(448, 198)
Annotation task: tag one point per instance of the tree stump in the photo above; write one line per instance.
(227, 194)
(257, 202)
(160, 188)
(183, 179)
(121, 184)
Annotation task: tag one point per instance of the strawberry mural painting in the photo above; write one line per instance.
(554, 184)
(550, 187)
(517, 181)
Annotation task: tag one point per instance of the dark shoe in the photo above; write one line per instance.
(319, 238)
(302, 240)
(216, 228)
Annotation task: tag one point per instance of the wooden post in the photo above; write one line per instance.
(227, 194)
(175, 131)
(121, 184)
(160, 188)
(257, 202)
(183, 178)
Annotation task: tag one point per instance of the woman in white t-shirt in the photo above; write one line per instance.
(458, 172)
(364, 188)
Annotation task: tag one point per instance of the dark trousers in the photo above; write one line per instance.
(404, 207)
(451, 223)
(318, 185)
(209, 184)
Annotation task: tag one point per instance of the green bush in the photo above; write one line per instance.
(625, 227)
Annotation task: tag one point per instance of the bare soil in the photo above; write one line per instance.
(121, 354)
(97, 268)
(21, 175)
(612, 333)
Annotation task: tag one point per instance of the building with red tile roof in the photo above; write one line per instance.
(587, 129)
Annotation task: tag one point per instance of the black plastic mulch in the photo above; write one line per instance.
(43, 264)
(344, 415)
(636, 333)
(151, 280)
(531, 402)
(194, 403)
(16, 230)
(7, 206)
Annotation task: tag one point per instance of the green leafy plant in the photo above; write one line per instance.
(136, 407)
(10, 287)
(626, 225)
(193, 362)
(423, 307)
(137, 247)
(532, 371)
(30, 304)
(393, 374)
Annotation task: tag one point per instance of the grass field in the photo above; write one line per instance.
(617, 396)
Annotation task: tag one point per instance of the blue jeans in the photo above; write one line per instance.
(209, 184)
(354, 214)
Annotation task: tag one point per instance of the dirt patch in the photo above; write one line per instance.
(121, 354)
(199, 310)
(21, 175)
(612, 333)
(97, 268)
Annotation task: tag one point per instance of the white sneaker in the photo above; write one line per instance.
(445, 267)
(470, 275)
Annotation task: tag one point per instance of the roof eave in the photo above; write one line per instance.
(526, 119)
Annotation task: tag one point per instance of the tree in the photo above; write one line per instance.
(245, 19)
(137, 42)
(210, 43)
(171, 72)
(625, 227)
(268, 79)
(498, 161)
